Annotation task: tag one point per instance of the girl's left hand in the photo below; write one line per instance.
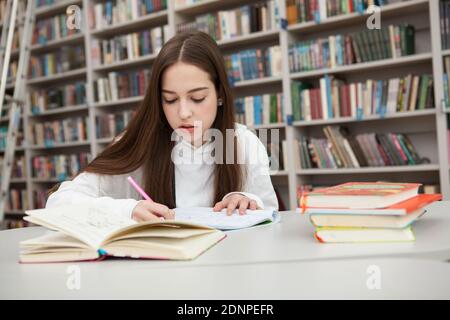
(236, 201)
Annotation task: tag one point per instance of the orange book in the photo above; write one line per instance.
(398, 216)
(360, 195)
(399, 209)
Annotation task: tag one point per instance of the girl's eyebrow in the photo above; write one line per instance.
(190, 91)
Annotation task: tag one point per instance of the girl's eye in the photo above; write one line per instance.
(170, 101)
(198, 100)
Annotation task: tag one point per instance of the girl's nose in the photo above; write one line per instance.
(185, 111)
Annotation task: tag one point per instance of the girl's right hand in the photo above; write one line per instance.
(147, 210)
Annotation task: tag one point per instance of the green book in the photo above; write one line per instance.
(424, 79)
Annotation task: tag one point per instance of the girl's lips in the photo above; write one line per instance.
(188, 128)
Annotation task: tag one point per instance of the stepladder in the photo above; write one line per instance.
(23, 23)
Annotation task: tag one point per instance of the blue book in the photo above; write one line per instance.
(248, 68)
(257, 104)
(236, 74)
(340, 50)
(253, 64)
(108, 11)
(149, 5)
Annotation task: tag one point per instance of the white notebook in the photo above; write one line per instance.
(220, 220)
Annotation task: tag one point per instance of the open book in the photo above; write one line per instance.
(220, 220)
(86, 233)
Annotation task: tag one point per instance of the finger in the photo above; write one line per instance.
(159, 210)
(243, 205)
(145, 215)
(253, 205)
(171, 214)
(220, 205)
(231, 206)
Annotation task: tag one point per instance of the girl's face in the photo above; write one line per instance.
(189, 100)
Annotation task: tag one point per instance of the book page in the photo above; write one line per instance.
(220, 220)
(88, 224)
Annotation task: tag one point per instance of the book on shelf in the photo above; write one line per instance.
(243, 20)
(44, 3)
(183, 3)
(129, 46)
(446, 82)
(65, 59)
(19, 168)
(53, 28)
(17, 200)
(444, 11)
(40, 197)
(112, 124)
(366, 211)
(109, 13)
(301, 11)
(259, 110)
(389, 42)
(60, 131)
(276, 154)
(60, 167)
(12, 71)
(334, 98)
(51, 98)
(341, 149)
(17, 36)
(3, 137)
(21, 9)
(121, 85)
(254, 64)
(14, 223)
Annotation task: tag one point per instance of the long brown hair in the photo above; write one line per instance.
(147, 141)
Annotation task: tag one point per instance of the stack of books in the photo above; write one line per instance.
(362, 212)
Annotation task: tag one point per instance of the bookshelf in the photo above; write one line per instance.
(428, 127)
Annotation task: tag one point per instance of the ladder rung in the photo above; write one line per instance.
(11, 99)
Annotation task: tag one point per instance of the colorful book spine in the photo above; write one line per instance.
(254, 64)
(389, 42)
(107, 13)
(54, 28)
(260, 110)
(63, 60)
(110, 125)
(121, 85)
(45, 99)
(341, 149)
(60, 131)
(336, 99)
(60, 167)
(228, 24)
(301, 11)
(128, 47)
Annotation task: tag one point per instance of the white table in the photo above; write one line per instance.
(327, 279)
(276, 261)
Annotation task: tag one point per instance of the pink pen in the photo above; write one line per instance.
(138, 188)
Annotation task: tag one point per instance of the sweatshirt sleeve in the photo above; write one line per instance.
(258, 185)
(85, 188)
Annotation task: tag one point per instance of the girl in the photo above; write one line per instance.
(165, 146)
